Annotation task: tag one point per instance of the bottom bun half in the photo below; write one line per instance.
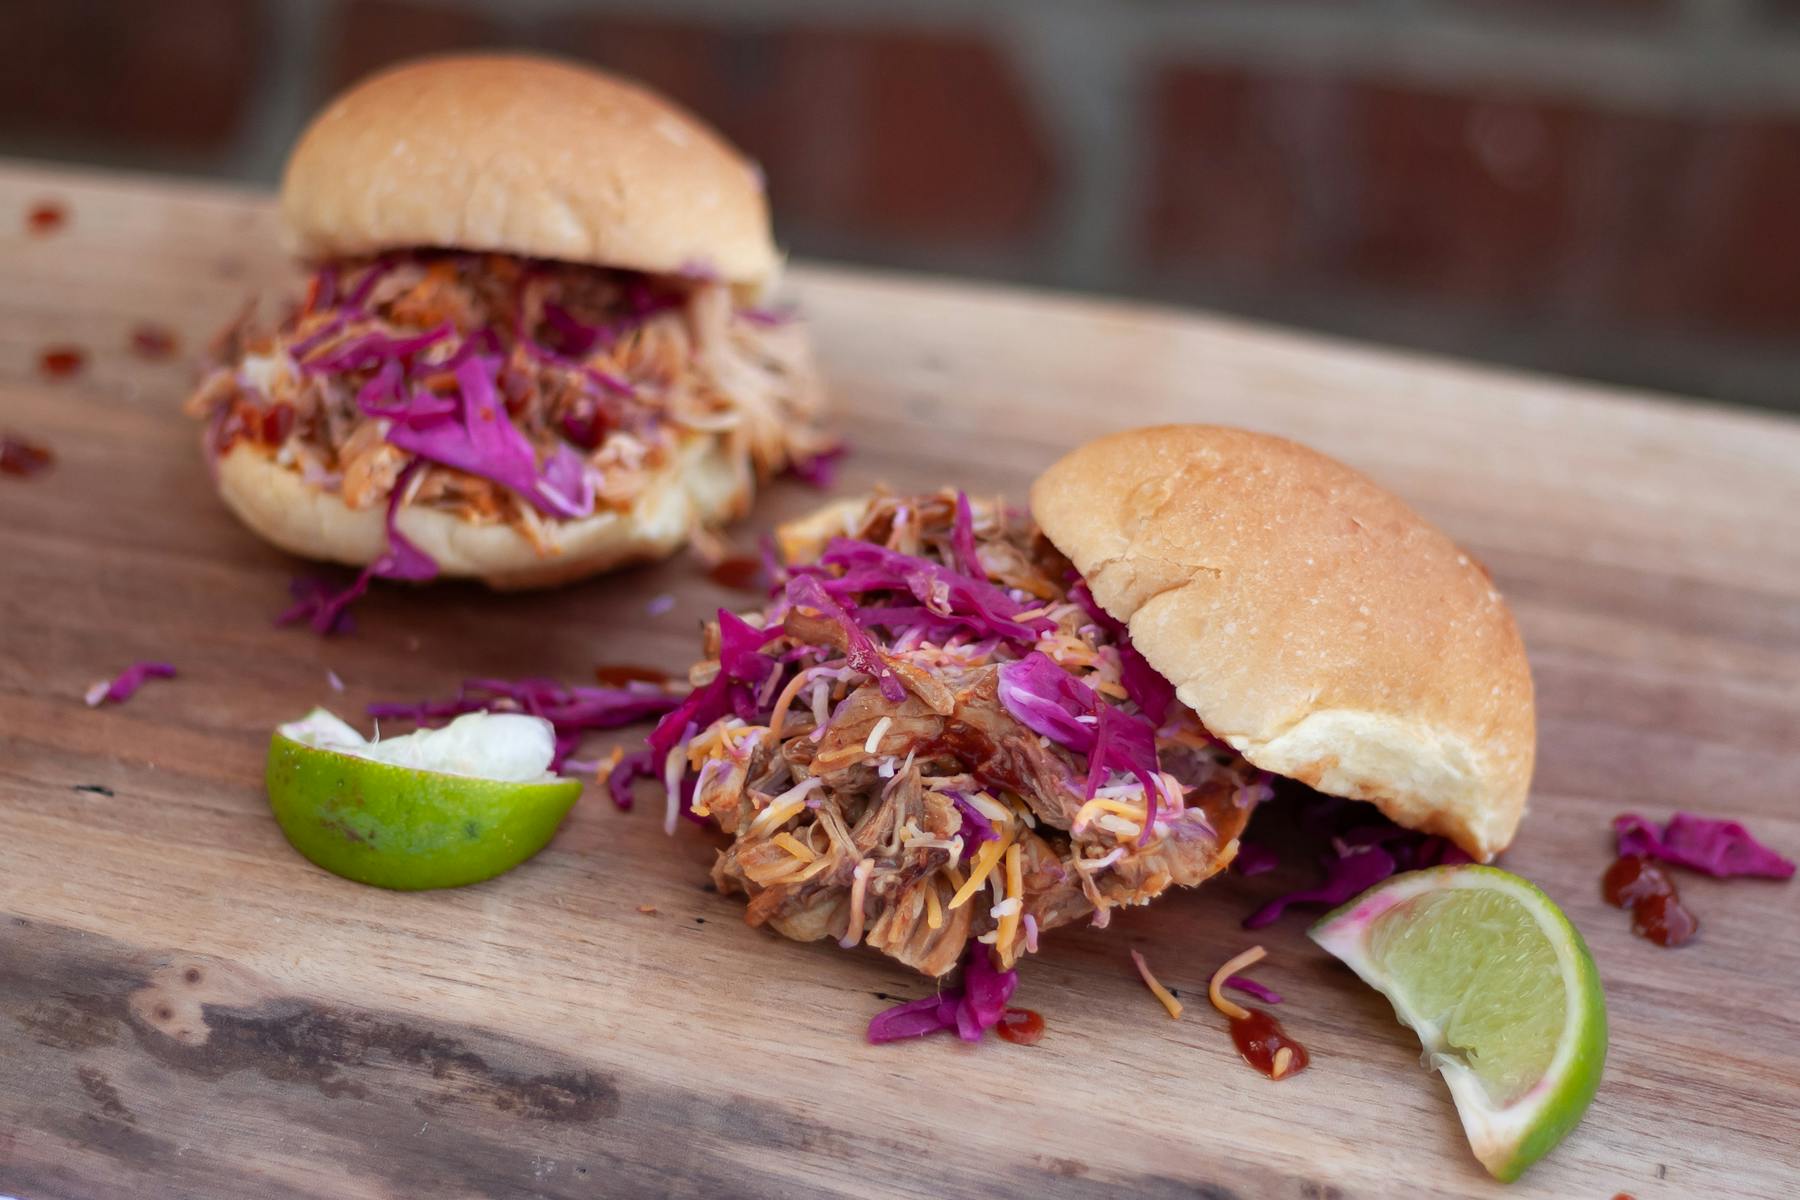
(703, 485)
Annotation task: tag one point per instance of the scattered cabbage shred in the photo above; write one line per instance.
(1720, 848)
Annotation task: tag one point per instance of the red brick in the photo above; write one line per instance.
(1416, 192)
(1755, 285)
(1457, 195)
(174, 75)
(372, 34)
(924, 137)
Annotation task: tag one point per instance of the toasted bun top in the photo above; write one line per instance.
(1310, 619)
(525, 156)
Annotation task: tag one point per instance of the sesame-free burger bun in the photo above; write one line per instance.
(528, 156)
(1310, 619)
(700, 486)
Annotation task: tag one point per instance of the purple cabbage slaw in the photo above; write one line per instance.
(326, 609)
(128, 681)
(969, 1008)
(1250, 987)
(1048, 700)
(1720, 848)
(1364, 849)
(572, 711)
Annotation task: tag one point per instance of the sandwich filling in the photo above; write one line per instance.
(933, 735)
(508, 390)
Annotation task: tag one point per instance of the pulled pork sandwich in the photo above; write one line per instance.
(955, 722)
(530, 348)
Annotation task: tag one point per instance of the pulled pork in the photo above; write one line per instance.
(859, 743)
(611, 371)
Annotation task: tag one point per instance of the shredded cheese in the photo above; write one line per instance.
(1156, 988)
(785, 701)
(1231, 1008)
(1284, 1058)
(1015, 897)
(934, 908)
(859, 887)
(1090, 811)
(881, 727)
(1118, 825)
(784, 806)
(795, 846)
(981, 868)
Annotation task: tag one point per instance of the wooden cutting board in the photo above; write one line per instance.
(189, 1009)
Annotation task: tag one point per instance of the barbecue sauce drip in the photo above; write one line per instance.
(1261, 1039)
(22, 458)
(1634, 882)
(152, 342)
(45, 218)
(620, 674)
(61, 361)
(740, 573)
(1021, 1026)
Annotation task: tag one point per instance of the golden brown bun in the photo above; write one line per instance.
(702, 487)
(1313, 621)
(525, 156)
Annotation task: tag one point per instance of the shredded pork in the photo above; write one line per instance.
(622, 367)
(850, 814)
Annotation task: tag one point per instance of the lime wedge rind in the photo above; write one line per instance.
(1505, 1138)
(407, 828)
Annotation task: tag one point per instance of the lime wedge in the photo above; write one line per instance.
(436, 808)
(1500, 989)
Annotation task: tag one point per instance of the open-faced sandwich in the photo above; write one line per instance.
(530, 348)
(957, 721)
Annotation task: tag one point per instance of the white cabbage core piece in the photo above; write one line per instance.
(503, 747)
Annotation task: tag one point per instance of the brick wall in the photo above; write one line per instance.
(1601, 187)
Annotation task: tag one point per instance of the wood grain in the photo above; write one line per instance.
(189, 1009)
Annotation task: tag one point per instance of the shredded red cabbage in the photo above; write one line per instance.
(962, 540)
(573, 711)
(819, 471)
(869, 567)
(808, 591)
(634, 766)
(1254, 858)
(1047, 699)
(375, 349)
(123, 688)
(1250, 987)
(975, 828)
(1152, 693)
(743, 669)
(485, 442)
(1365, 848)
(971, 1008)
(327, 610)
(1720, 848)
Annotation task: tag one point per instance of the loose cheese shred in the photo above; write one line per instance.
(1231, 1008)
(859, 887)
(981, 868)
(1156, 988)
(934, 909)
(1100, 804)
(795, 846)
(874, 741)
(785, 701)
(1284, 1058)
(1015, 900)
(785, 805)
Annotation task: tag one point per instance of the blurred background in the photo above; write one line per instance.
(1603, 188)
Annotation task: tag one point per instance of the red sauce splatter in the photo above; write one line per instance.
(46, 218)
(1624, 1196)
(23, 458)
(741, 573)
(620, 674)
(1261, 1039)
(152, 341)
(274, 424)
(59, 362)
(1634, 882)
(1021, 1026)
